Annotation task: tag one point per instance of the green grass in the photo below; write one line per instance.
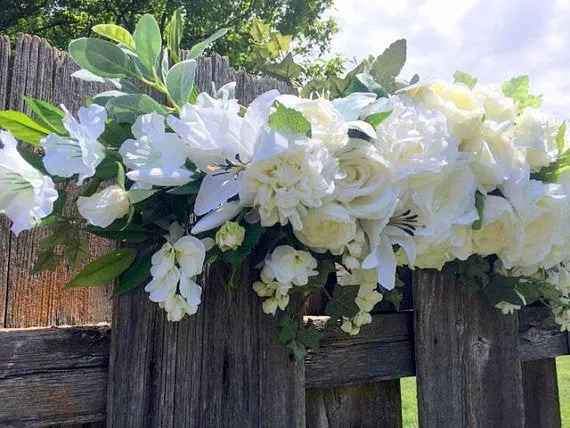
(410, 410)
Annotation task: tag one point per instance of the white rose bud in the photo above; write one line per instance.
(104, 207)
(230, 236)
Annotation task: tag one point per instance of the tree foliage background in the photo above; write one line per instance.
(61, 21)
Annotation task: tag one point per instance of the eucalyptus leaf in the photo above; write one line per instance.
(100, 57)
(148, 41)
(116, 33)
(103, 269)
(128, 108)
(198, 48)
(389, 65)
(174, 33)
(180, 80)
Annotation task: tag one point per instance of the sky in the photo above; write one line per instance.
(493, 40)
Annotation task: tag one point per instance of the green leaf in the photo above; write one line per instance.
(128, 108)
(100, 57)
(393, 296)
(180, 80)
(288, 119)
(138, 195)
(309, 336)
(258, 30)
(342, 302)
(296, 350)
(287, 329)
(465, 78)
(116, 33)
(278, 43)
(199, 48)
(48, 113)
(134, 276)
(287, 69)
(76, 250)
(376, 119)
(45, 260)
(388, 65)
(560, 134)
(174, 31)
(148, 41)
(115, 134)
(517, 88)
(104, 268)
(133, 233)
(479, 206)
(190, 188)
(23, 127)
(365, 83)
(32, 158)
(107, 169)
(120, 175)
(503, 289)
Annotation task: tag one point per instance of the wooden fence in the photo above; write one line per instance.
(223, 367)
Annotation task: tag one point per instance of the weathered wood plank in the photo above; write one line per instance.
(43, 72)
(53, 375)
(539, 336)
(467, 358)
(367, 404)
(541, 401)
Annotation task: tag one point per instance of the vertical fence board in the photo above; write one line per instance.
(369, 404)
(467, 358)
(5, 77)
(220, 367)
(541, 401)
(40, 71)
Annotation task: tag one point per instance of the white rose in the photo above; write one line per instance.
(535, 132)
(283, 186)
(462, 108)
(328, 227)
(230, 236)
(543, 211)
(104, 207)
(327, 124)
(414, 139)
(500, 226)
(366, 187)
(287, 265)
(26, 195)
(497, 106)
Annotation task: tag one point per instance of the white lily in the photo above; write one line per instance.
(80, 153)
(221, 143)
(156, 157)
(216, 218)
(26, 195)
(104, 207)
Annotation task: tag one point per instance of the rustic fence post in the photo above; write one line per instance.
(467, 358)
(542, 404)
(220, 367)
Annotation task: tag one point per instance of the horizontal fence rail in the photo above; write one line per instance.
(59, 374)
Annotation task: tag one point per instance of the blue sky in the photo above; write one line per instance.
(493, 40)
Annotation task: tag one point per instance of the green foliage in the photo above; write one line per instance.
(287, 69)
(341, 303)
(517, 88)
(387, 66)
(199, 48)
(116, 33)
(127, 108)
(148, 42)
(134, 276)
(363, 82)
(288, 119)
(550, 173)
(103, 269)
(479, 206)
(465, 78)
(174, 31)
(180, 81)
(100, 57)
(49, 114)
(297, 337)
(376, 119)
(473, 273)
(560, 134)
(118, 230)
(23, 127)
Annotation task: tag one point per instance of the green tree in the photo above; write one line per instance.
(60, 21)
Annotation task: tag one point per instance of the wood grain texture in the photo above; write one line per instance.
(220, 367)
(467, 358)
(53, 375)
(539, 335)
(541, 400)
(40, 71)
(367, 404)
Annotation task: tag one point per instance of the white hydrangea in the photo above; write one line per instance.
(282, 187)
(26, 195)
(413, 139)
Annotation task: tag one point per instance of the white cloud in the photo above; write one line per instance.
(493, 40)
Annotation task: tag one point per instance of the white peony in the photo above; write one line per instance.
(535, 132)
(366, 186)
(282, 187)
(330, 227)
(500, 227)
(414, 139)
(26, 195)
(497, 107)
(80, 153)
(289, 266)
(462, 108)
(104, 207)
